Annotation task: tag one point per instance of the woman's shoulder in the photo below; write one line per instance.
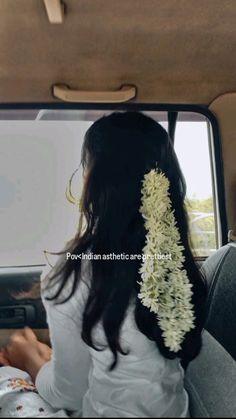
(53, 279)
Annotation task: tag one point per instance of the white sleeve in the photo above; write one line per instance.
(63, 381)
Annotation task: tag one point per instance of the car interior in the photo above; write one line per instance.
(64, 64)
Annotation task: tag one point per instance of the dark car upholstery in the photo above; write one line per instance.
(211, 377)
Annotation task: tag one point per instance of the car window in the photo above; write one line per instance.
(192, 145)
(38, 155)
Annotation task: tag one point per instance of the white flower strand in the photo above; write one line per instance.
(165, 288)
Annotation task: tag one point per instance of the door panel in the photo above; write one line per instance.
(20, 303)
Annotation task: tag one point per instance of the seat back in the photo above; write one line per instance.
(211, 378)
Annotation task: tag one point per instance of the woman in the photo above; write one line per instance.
(125, 301)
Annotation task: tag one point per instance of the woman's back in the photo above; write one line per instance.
(143, 384)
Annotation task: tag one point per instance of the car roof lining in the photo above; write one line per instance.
(175, 51)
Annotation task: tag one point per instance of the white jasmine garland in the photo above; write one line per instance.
(165, 288)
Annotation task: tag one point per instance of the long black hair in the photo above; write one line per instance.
(118, 150)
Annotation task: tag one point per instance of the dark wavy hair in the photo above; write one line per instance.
(118, 150)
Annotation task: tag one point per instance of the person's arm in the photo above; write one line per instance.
(63, 381)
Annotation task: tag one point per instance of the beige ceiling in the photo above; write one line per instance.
(174, 51)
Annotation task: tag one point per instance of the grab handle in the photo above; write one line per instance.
(124, 94)
(55, 10)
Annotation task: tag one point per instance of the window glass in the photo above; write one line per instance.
(36, 161)
(192, 149)
(40, 151)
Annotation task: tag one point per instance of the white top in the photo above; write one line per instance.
(143, 384)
